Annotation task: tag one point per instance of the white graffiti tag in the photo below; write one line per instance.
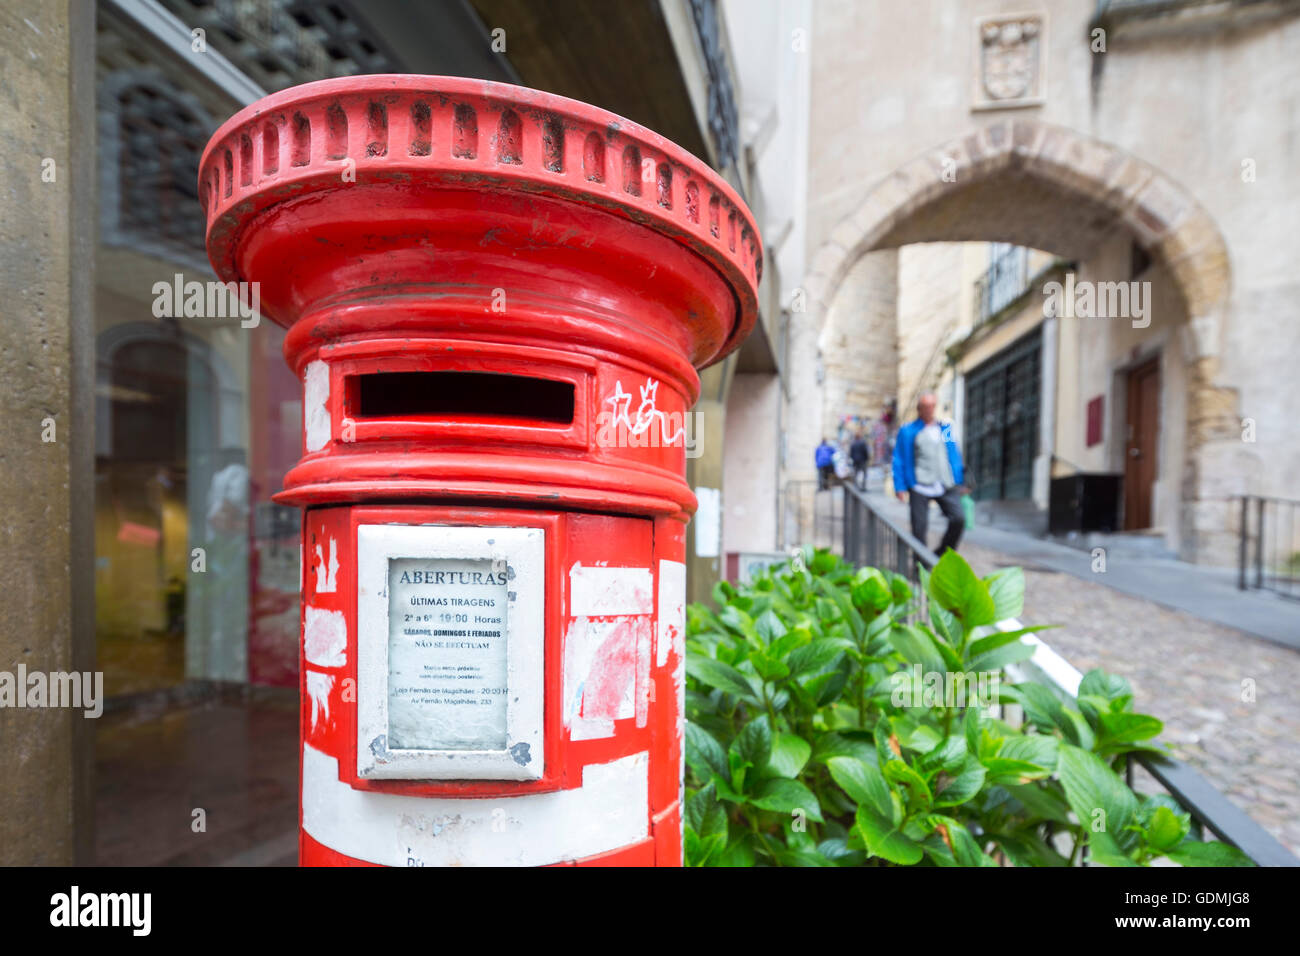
(647, 415)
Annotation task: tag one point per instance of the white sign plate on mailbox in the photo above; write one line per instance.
(451, 626)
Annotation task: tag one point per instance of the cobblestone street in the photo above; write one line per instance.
(1190, 674)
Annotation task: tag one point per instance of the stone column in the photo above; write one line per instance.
(46, 433)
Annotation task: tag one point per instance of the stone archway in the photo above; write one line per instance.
(1034, 168)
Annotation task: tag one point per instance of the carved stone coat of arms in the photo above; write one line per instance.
(1009, 61)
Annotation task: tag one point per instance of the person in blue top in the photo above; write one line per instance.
(928, 467)
(824, 457)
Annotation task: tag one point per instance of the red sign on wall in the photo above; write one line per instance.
(1094, 420)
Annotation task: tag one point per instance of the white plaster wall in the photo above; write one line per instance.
(749, 465)
(770, 44)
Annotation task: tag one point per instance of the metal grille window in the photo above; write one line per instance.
(279, 43)
(1005, 280)
(1002, 403)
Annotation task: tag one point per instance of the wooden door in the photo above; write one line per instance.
(1140, 451)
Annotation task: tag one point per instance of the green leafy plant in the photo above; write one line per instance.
(829, 726)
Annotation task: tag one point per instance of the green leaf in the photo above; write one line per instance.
(1007, 589)
(770, 626)
(945, 624)
(884, 840)
(738, 621)
(738, 853)
(1077, 730)
(787, 796)
(1110, 686)
(863, 782)
(871, 592)
(1164, 830)
(899, 772)
(828, 687)
(1042, 802)
(704, 814)
(917, 647)
(1042, 707)
(951, 791)
(1195, 853)
(965, 848)
(726, 678)
(847, 610)
(998, 638)
(948, 755)
(813, 657)
(753, 745)
(956, 588)
(1100, 800)
(1042, 750)
(836, 849)
(704, 755)
(917, 733)
(794, 638)
(1123, 727)
(725, 790)
(1027, 849)
(789, 755)
(1103, 849)
(971, 728)
(768, 668)
(852, 744)
(900, 588)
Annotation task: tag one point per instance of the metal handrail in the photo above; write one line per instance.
(1284, 578)
(1205, 803)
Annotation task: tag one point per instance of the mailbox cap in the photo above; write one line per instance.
(461, 132)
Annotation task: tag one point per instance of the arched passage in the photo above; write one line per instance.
(1053, 188)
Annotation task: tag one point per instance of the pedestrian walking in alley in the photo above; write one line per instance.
(861, 455)
(928, 467)
(825, 460)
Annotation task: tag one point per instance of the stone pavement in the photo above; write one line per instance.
(1188, 669)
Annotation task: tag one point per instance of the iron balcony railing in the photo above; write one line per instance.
(870, 537)
(1268, 545)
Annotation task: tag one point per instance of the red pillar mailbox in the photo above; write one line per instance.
(496, 300)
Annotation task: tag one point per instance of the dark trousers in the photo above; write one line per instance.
(950, 505)
(860, 474)
(825, 474)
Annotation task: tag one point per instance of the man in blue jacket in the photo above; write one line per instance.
(824, 458)
(927, 467)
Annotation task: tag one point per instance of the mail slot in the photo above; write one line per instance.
(496, 301)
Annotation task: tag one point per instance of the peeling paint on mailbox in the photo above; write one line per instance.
(497, 336)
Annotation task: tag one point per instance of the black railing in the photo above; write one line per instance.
(1268, 545)
(872, 538)
(811, 515)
